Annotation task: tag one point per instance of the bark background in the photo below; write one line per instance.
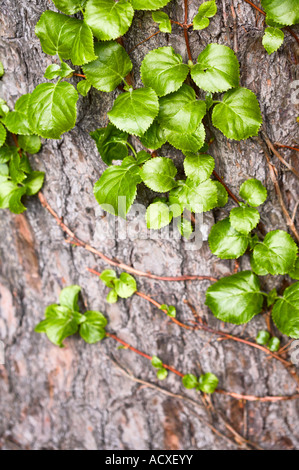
(76, 398)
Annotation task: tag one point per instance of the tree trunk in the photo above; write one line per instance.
(77, 397)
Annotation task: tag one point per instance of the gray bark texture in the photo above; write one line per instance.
(77, 397)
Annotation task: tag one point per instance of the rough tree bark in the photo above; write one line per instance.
(76, 397)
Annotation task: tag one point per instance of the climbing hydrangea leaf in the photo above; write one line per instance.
(272, 39)
(225, 242)
(285, 12)
(285, 312)
(199, 167)
(244, 218)
(149, 4)
(158, 174)
(253, 192)
(187, 142)
(17, 121)
(206, 10)
(111, 143)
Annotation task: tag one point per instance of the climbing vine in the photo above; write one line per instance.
(180, 104)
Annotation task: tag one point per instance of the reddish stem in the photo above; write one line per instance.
(226, 187)
(286, 146)
(79, 75)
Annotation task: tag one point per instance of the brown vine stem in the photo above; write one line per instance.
(145, 40)
(264, 14)
(79, 75)
(237, 396)
(185, 27)
(277, 144)
(277, 154)
(76, 241)
(152, 301)
(273, 177)
(231, 194)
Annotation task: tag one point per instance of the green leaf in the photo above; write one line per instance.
(206, 10)
(163, 21)
(263, 337)
(222, 194)
(17, 173)
(239, 115)
(2, 135)
(154, 137)
(59, 324)
(6, 190)
(69, 297)
(15, 205)
(142, 157)
(244, 218)
(135, 111)
(30, 143)
(149, 4)
(112, 297)
(67, 37)
(253, 192)
(108, 277)
(1, 70)
(217, 69)
(110, 68)
(69, 7)
(294, 273)
(201, 197)
(55, 70)
(274, 344)
(187, 142)
(285, 312)
(277, 253)
(111, 143)
(181, 111)
(34, 182)
(4, 109)
(235, 299)
(199, 167)
(184, 227)
(93, 328)
(158, 174)
(116, 190)
(17, 121)
(163, 70)
(162, 374)
(108, 19)
(225, 242)
(257, 268)
(158, 215)
(284, 12)
(52, 109)
(83, 87)
(272, 296)
(189, 381)
(272, 39)
(156, 362)
(208, 383)
(125, 286)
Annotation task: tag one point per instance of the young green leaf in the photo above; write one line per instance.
(257, 268)
(69, 297)
(277, 253)
(66, 37)
(108, 19)
(189, 381)
(92, 329)
(55, 70)
(163, 21)
(52, 109)
(225, 242)
(116, 190)
(206, 10)
(187, 142)
(2, 135)
(184, 227)
(108, 277)
(272, 296)
(60, 323)
(162, 374)
(208, 383)
(69, 7)
(149, 4)
(284, 12)
(83, 87)
(222, 194)
(263, 337)
(156, 362)
(34, 182)
(158, 215)
(16, 170)
(217, 69)
(235, 299)
(17, 121)
(244, 218)
(181, 111)
(125, 286)
(274, 344)
(294, 273)
(111, 143)
(15, 205)
(201, 197)
(30, 143)
(272, 39)
(163, 70)
(1, 70)
(154, 137)
(285, 312)
(142, 157)
(135, 110)
(158, 174)
(239, 115)
(253, 192)
(112, 297)
(110, 68)
(6, 190)
(199, 167)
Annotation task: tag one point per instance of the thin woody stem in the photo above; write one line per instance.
(186, 26)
